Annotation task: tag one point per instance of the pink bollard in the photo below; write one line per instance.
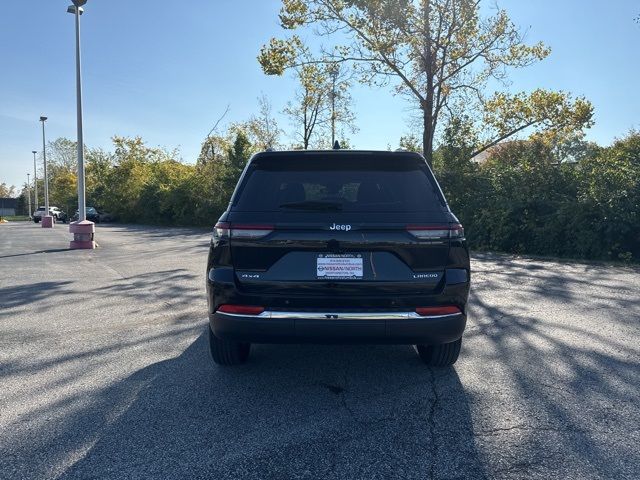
(47, 221)
(82, 234)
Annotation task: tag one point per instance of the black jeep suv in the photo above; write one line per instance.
(337, 247)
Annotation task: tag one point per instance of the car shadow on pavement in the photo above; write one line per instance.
(291, 412)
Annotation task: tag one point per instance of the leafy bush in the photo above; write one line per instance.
(523, 200)
(140, 184)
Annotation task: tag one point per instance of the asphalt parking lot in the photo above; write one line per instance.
(105, 373)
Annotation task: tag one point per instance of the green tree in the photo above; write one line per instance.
(608, 203)
(213, 149)
(133, 169)
(62, 153)
(237, 157)
(440, 53)
(6, 190)
(309, 110)
(63, 190)
(98, 165)
(262, 128)
(321, 107)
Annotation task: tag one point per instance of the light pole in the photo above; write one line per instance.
(47, 219)
(82, 229)
(29, 193)
(35, 182)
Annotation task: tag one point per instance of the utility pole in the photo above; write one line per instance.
(29, 193)
(83, 230)
(46, 219)
(76, 10)
(35, 182)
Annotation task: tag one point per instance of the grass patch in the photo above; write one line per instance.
(17, 218)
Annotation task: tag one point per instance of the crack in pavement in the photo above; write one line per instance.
(431, 421)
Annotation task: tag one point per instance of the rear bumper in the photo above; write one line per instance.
(338, 327)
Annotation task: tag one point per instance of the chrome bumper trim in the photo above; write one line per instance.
(342, 315)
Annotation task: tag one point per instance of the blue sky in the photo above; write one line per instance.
(166, 70)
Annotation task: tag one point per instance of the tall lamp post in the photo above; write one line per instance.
(83, 230)
(35, 183)
(47, 219)
(29, 193)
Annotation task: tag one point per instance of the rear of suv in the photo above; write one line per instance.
(337, 247)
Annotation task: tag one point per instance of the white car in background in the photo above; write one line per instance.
(55, 212)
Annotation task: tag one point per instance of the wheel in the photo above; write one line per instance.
(442, 355)
(36, 220)
(227, 352)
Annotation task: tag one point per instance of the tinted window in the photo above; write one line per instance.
(360, 184)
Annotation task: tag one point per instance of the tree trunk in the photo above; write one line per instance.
(427, 104)
(427, 134)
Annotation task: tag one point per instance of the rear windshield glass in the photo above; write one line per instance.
(317, 183)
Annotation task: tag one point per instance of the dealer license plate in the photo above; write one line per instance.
(336, 266)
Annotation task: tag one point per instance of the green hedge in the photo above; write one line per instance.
(523, 200)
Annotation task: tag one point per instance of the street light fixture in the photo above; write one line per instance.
(35, 183)
(47, 219)
(83, 230)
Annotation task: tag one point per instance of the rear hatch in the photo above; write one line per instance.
(339, 223)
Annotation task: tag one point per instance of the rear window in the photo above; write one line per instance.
(361, 183)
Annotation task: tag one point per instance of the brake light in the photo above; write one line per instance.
(436, 232)
(241, 309)
(435, 311)
(226, 229)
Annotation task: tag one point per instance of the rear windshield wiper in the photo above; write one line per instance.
(313, 205)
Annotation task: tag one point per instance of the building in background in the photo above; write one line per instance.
(8, 207)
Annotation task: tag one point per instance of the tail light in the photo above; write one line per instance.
(221, 230)
(250, 231)
(436, 232)
(226, 230)
(241, 309)
(456, 230)
(436, 311)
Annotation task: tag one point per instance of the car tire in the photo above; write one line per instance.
(442, 355)
(36, 220)
(227, 352)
